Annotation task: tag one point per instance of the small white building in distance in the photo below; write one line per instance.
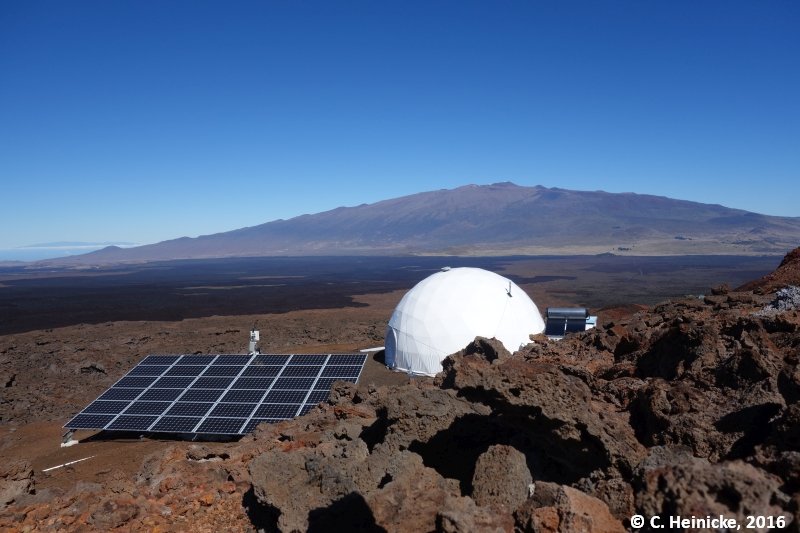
(444, 312)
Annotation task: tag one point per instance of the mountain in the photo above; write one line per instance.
(498, 219)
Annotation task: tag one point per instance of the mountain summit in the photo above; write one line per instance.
(497, 219)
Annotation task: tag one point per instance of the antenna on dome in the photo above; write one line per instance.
(508, 290)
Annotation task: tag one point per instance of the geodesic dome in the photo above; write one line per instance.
(444, 312)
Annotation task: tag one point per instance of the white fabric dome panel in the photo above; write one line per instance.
(447, 310)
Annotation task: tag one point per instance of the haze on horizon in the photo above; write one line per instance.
(131, 122)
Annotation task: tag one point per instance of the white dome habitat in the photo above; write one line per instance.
(444, 312)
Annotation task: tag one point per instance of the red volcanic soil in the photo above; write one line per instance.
(788, 273)
(687, 407)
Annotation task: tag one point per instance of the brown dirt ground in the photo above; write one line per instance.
(118, 456)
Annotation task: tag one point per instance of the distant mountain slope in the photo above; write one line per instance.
(502, 218)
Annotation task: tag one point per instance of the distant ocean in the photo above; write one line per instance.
(36, 253)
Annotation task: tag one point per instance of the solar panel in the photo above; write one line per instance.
(132, 423)
(204, 360)
(202, 395)
(136, 381)
(160, 359)
(223, 371)
(317, 396)
(87, 421)
(575, 325)
(106, 407)
(216, 394)
(115, 393)
(184, 370)
(262, 371)
(271, 359)
(286, 396)
(222, 426)
(148, 370)
(173, 382)
(301, 371)
(243, 395)
(253, 383)
(190, 409)
(176, 424)
(155, 395)
(555, 327)
(147, 408)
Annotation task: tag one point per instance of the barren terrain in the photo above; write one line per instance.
(687, 406)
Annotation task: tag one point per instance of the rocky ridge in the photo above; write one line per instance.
(691, 408)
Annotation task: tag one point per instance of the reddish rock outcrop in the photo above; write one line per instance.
(787, 273)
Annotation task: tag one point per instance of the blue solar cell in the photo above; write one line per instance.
(201, 395)
(211, 383)
(261, 371)
(137, 382)
(285, 396)
(253, 383)
(347, 359)
(222, 426)
(176, 424)
(276, 410)
(222, 371)
(318, 396)
(148, 370)
(244, 396)
(270, 359)
(185, 370)
(293, 383)
(106, 407)
(324, 383)
(132, 423)
(189, 409)
(241, 410)
(89, 421)
(173, 382)
(232, 360)
(161, 395)
(159, 359)
(301, 371)
(349, 371)
(120, 394)
(202, 360)
(147, 408)
(308, 359)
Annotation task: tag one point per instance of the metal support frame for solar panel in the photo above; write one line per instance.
(216, 394)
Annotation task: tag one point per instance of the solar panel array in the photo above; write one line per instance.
(217, 394)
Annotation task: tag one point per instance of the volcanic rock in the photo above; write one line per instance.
(501, 479)
(16, 479)
(787, 273)
(690, 407)
(558, 508)
(672, 482)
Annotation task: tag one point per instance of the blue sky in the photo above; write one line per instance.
(142, 121)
